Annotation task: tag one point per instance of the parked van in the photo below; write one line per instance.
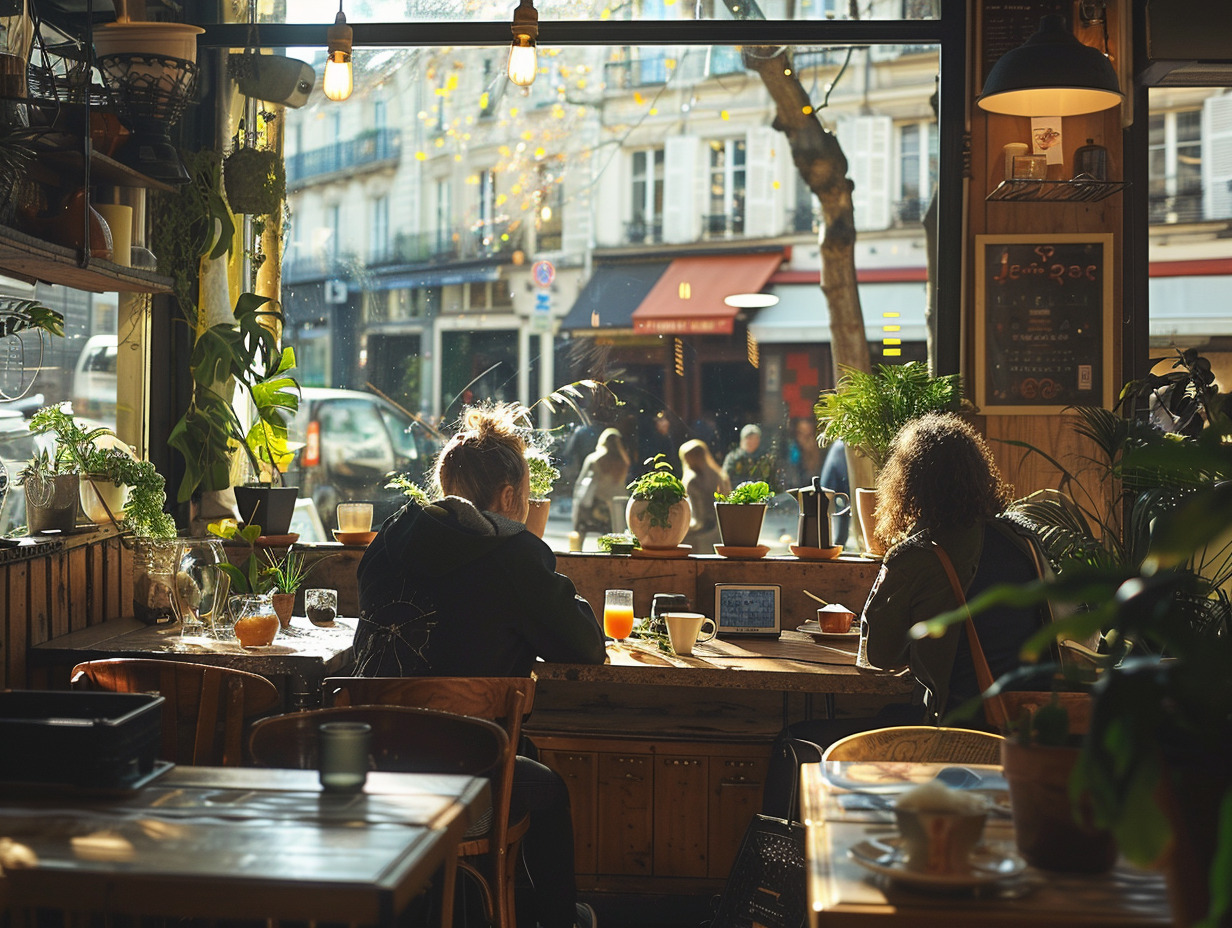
(94, 379)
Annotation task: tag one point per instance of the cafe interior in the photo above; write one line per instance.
(174, 748)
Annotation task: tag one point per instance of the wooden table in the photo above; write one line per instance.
(844, 893)
(297, 662)
(242, 843)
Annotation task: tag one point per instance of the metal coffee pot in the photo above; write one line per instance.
(817, 505)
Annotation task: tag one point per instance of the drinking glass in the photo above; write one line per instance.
(321, 606)
(354, 517)
(618, 613)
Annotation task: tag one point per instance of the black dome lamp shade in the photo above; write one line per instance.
(1051, 74)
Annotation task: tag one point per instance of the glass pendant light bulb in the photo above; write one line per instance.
(523, 61)
(338, 81)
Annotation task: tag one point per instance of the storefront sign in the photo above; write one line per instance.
(1043, 322)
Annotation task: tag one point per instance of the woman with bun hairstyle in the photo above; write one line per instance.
(460, 588)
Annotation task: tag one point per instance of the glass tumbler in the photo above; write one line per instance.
(618, 613)
(321, 606)
(342, 751)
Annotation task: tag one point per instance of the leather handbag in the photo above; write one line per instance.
(1003, 708)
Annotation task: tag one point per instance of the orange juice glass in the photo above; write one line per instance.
(618, 613)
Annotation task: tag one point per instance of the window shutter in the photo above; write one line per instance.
(1217, 157)
(681, 216)
(868, 144)
(763, 211)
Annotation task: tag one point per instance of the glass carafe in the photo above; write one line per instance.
(256, 622)
(200, 591)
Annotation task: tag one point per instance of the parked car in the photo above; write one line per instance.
(351, 442)
(94, 379)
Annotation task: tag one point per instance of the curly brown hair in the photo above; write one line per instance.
(939, 473)
(485, 454)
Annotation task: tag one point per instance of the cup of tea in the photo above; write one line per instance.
(684, 629)
(940, 827)
(354, 518)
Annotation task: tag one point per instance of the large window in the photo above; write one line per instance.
(1176, 166)
(727, 188)
(646, 224)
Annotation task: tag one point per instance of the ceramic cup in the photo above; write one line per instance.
(343, 749)
(685, 630)
(939, 842)
(354, 517)
(835, 619)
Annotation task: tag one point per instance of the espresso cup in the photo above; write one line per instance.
(685, 630)
(835, 619)
(354, 518)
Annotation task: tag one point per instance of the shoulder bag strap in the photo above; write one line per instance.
(994, 709)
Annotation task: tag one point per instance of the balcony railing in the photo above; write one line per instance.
(805, 219)
(1179, 207)
(910, 211)
(420, 248)
(640, 232)
(370, 151)
(721, 225)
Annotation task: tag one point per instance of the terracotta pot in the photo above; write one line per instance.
(284, 606)
(1189, 795)
(537, 518)
(658, 536)
(102, 500)
(866, 509)
(1048, 834)
(740, 524)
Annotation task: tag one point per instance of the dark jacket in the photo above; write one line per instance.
(448, 590)
(913, 587)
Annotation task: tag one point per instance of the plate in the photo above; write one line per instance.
(886, 856)
(734, 551)
(354, 538)
(678, 551)
(816, 554)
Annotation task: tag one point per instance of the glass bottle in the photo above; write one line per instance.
(154, 561)
(256, 622)
(1091, 160)
(200, 591)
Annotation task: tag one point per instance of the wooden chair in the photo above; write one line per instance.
(199, 701)
(491, 857)
(921, 743)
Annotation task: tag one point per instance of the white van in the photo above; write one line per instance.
(94, 379)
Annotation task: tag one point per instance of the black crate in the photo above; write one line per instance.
(106, 740)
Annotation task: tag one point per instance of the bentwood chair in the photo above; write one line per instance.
(403, 741)
(919, 743)
(205, 708)
(491, 858)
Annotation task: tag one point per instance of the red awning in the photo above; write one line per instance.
(688, 298)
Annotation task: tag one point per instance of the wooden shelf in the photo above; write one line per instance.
(103, 170)
(30, 258)
(1056, 191)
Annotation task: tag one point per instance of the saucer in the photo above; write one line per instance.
(678, 551)
(816, 554)
(354, 538)
(733, 551)
(886, 856)
(811, 628)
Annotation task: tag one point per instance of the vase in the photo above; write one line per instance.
(284, 608)
(1049, 835)
(102, 499)
(256, 622)
(199, 594)
(537, 517)
(740, 523)
(154, 575)
(51, 503)
(654, 536)
(866, 510)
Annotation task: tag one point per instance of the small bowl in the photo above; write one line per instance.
(354, 538)
(835, 619)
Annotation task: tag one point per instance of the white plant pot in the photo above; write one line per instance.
(101, 500)
(658, 536)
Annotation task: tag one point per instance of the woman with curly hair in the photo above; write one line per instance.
(702, 477)
(939, 488)
(459, 587)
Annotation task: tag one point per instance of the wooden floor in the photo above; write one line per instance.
(628, 911)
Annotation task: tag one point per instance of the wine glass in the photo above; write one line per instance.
(618, 614)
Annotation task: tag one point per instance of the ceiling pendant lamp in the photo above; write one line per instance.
(1051, 74)
(338, 80)
(523, 61)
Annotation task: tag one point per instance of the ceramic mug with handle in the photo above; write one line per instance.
(684, 629)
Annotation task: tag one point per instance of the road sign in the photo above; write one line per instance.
(335, 291)
(544, 273)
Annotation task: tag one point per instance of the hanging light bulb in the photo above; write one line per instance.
(523, 62)
(338, 81)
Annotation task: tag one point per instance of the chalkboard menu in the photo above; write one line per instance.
(1006, 24)
(1043, 322)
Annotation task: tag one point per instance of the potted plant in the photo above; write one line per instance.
(543, 476)
(52, 494)
(255, 180)
(250, 602)
(740, 513)
(658, 510)
(287, 574)
(211, 430)
(867, 410)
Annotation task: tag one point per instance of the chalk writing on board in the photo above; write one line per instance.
(1043, 325)
(1006, 24)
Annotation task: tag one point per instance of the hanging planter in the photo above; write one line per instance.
(255, 181)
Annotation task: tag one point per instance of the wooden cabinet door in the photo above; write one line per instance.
(624, 815)
(681, 800)
(578, 770)
(736, 785)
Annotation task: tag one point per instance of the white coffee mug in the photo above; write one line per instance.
(354, 517)
(685, 630)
